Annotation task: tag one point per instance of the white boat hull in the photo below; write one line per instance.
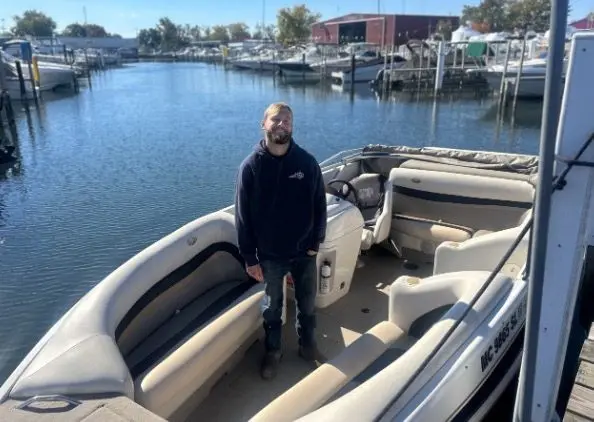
(363, 73)
(257, 65)
(124, 323)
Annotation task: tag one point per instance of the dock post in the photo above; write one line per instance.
(391, 67)
(32, 79)
(353, 68)
(2, 75)
(420, 74)
(439, 72)
(21, 80)
(385, 77)
(503, 87)
(519, 76)
(303, 71)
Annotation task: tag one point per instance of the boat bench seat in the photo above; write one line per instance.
(219, 330)
(484, 250)
(319, 386)
(420, 312)
(431, 207)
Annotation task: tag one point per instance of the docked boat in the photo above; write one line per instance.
(530, 87)
(414, 319)
(368, 71)
(295, 71)
(51, 75)
(532, 68)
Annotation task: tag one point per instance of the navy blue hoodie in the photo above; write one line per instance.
(280, 204)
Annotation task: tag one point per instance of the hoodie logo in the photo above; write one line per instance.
(297, 175)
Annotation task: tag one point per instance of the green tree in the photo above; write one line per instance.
(219, 33)
(444, 28)
(268, 32)
(169, 34)
(84, 30)
(493, 13)
(150, 38)
(184, 37)
(294, 25)
(207, 33)
(34, 23)
(75, 30)
(196, 33)
(238, 31)
(531, 14)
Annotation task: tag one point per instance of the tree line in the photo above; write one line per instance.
(292, 25)
(509, 15)
(38, 24)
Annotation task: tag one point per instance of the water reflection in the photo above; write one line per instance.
(527, 114)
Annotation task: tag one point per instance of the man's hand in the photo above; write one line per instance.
(311, 252)
(255, 271)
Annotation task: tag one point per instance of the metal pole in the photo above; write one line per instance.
(551, 109)
(2, 74)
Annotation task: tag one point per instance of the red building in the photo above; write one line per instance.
(584, 24)
(382, 29)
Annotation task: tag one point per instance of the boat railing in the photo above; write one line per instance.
(340, 157)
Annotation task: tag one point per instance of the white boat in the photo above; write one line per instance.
(298, 72)
(532, 67)
(51, 75)
(366, 72)
(174, 332)
(530, 87)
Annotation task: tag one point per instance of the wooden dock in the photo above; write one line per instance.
(580, 406)
(581, 402)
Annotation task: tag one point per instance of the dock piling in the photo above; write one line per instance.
(519, 76)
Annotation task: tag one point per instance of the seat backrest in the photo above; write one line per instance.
(468, 200)
(371, 192)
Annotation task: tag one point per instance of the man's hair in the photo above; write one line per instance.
(276, 108)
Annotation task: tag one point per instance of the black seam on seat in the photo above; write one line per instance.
(459, 199)
(172, 316)
(211, 311)
(173, 278)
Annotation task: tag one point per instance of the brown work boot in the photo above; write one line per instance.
(312, 355)
(269, 364)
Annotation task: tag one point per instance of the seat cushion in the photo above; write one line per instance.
(424, 228)
(424, 234)
(218, 331)
(370, 192)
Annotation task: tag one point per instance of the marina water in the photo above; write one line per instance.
(151, 146)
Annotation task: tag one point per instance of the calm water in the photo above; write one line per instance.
(152, 146)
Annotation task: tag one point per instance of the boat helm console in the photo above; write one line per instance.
(337, 256)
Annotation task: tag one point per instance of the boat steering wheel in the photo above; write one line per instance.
(340, 193)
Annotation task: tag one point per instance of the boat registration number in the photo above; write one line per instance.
(509, 326)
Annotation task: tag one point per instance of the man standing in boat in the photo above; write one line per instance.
(280, 216)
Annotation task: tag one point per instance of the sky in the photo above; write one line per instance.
(125, 17)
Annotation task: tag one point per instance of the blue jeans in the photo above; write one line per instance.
(304, 272)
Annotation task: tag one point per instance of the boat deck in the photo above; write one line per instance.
(241, 393)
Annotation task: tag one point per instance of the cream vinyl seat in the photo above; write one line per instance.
(431, 207)
(484, 250)
(410, 300)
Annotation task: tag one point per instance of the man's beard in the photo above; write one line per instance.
(280, 138)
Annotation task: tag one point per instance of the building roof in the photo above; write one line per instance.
(585, 23)
(364, 16)
(98, 42)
